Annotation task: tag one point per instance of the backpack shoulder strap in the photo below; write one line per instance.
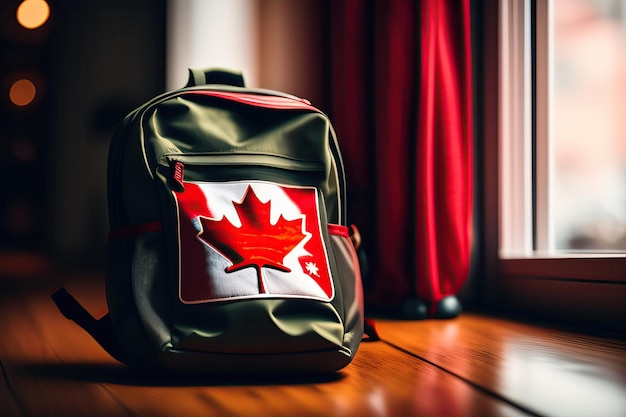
(101, 330)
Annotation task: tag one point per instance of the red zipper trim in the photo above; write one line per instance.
(260, 100)
(339, 230)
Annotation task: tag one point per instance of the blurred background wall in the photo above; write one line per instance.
(90, 63)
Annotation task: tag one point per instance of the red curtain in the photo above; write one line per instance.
(402, 108)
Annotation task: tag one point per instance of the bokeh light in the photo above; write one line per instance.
(33, 13)
(22, 92)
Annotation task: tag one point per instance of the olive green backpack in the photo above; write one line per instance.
(229, 248)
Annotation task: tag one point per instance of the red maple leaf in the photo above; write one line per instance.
(257, 243)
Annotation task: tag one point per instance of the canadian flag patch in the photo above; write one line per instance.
(250, 239)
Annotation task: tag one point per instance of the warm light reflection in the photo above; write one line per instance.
(561, 385)
(33, 13)
(376, 401)
(22, 92)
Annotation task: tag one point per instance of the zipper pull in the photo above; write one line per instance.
(178, 176)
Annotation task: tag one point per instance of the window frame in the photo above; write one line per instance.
(521, 273)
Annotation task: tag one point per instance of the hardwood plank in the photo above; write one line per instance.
(545, 371)
(8, 405)
(55, 369)
(37, 341)
(382, 381)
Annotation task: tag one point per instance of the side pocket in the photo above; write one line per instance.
(349, 277)
(151, 287)
(127, 258)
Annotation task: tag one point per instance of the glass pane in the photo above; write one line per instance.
(588, 125)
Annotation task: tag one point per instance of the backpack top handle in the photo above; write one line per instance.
(203, 76)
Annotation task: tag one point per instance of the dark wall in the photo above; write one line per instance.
(107, 58)
(92, 62)
(24, 132)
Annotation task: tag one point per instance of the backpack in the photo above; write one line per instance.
(229, 249)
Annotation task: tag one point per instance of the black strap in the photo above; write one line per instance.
(202, 76)
(369, 330)
(101, 330)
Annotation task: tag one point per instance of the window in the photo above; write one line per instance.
(587, 128)
(561, 235)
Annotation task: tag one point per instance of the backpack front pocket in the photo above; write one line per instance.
(242, 239)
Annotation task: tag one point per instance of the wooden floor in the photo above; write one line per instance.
(471, 366)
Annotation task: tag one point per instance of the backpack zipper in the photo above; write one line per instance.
(177, 164)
